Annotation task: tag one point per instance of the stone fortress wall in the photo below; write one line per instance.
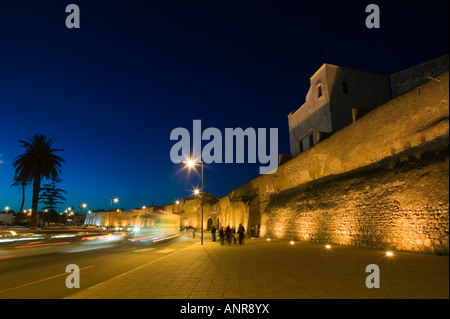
(382, 181)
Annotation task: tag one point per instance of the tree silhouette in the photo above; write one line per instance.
(23, 183)
(38, 162)
(51, 197)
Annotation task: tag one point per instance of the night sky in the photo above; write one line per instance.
(111, 92)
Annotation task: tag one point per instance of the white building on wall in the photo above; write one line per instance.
(336, 97)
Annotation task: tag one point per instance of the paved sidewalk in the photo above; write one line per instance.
(260, 269)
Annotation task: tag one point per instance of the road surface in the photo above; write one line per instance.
(37, 270)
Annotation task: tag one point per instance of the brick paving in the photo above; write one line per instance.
(260, 269)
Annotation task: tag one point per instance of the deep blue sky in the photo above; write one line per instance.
(111, 92)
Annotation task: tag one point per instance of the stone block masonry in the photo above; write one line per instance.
(401, 208)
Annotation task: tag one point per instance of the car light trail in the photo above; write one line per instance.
(143, 238)
(63, 236)
(164, 238)
(90, 248)
(18, 239)
(9, 256)
(102, 237)
(37, 245)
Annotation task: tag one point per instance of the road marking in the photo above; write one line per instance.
(37, 281)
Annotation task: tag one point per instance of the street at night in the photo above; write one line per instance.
(224, 159)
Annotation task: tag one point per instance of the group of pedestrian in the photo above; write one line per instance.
(229, 235)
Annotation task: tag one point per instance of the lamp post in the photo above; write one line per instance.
(114, 200)
(192, 163)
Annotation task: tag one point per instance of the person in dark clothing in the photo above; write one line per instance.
(221, 235)
(228, 235)
(241, 232)
(213, 232)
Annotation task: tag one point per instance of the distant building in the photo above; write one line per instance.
(336, 97)
(6, 218)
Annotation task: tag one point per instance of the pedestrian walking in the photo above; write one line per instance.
(213, 232)
(193, 232)
(228, 235)
(241, 232)
(221, 235)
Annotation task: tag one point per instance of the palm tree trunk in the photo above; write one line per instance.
(23, 197)
(34, 207)
(19, 216)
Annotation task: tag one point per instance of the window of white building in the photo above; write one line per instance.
(319, 90)
(345, 89)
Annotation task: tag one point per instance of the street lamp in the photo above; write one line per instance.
(191, 163)
(83, 206)
(114, 200)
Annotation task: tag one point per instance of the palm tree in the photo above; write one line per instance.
(19, 181)
(38, 162)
